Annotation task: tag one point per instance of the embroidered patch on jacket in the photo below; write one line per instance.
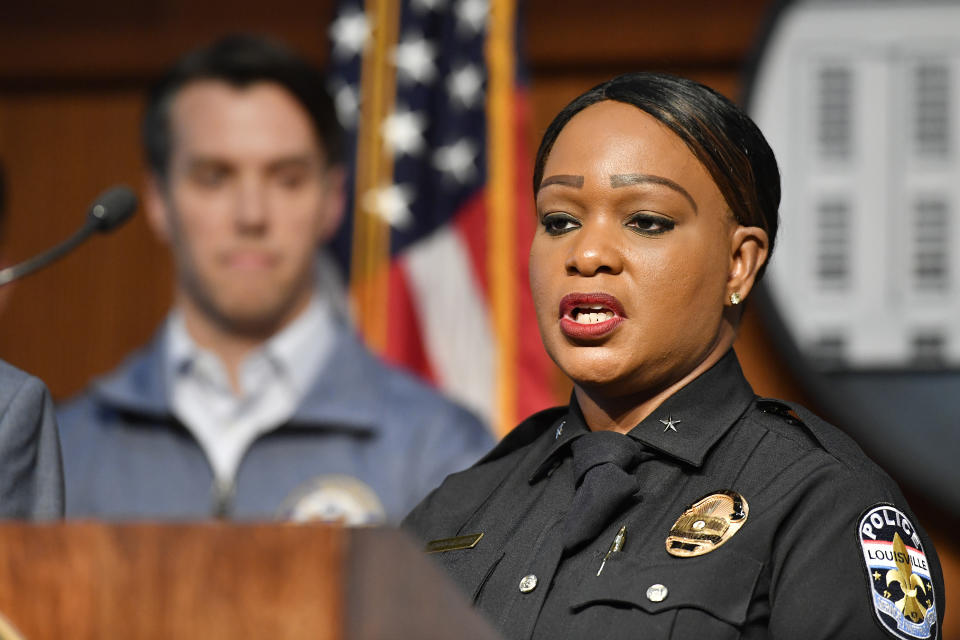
(707, 524)
(899, 574)
(334, 498)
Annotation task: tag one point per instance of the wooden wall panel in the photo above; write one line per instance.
(78, 317)
(568, 34)
(59, 43)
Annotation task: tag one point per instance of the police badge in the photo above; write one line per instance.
(899, 575)
(707, 524)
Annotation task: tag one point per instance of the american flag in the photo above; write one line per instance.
(442, 217)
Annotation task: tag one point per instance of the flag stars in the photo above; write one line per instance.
(472, 15)
(349, 32)
(414, 59)
(403, 132)
(347, 103)
(391, 204)
(457, 160)
(465, 85)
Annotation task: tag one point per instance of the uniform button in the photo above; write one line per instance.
(528, 583)
(657, 593)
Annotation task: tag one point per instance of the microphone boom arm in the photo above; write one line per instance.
(111, 209)
(37, 262)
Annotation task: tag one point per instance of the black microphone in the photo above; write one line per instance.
(111, 209)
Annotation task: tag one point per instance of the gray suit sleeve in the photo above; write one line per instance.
(31, 471)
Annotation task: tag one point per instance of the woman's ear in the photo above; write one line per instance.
(748, 252)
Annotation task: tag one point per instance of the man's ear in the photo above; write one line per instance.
(749, 247)
(157, 208)
(334, 203)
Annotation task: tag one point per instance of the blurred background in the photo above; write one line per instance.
(72, 83)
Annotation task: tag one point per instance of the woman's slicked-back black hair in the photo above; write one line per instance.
(720, 135)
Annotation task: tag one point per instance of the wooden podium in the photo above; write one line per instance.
(82, 580)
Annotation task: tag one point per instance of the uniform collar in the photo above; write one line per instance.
(701, 413)
(566, 430)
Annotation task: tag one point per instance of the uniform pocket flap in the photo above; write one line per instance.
(720, 584)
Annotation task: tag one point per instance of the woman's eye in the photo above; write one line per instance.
(649, 224)
(559, 223)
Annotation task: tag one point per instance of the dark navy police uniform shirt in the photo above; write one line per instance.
(828, 547)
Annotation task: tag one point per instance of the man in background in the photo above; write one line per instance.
(255, 400)
(31, 478)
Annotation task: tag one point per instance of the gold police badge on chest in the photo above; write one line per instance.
(706, 525)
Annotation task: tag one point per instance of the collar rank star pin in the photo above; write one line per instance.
(706, 525)
(670, 423)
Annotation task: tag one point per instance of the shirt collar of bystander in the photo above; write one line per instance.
(294, 355)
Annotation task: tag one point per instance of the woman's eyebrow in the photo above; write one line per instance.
(567, 180)
(626, 179)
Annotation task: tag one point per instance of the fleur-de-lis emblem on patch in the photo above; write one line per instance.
(909, 582)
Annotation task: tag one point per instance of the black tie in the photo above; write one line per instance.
(603, 462)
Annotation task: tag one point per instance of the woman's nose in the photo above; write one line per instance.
(595, 249)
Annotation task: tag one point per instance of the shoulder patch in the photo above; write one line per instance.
(901, 589)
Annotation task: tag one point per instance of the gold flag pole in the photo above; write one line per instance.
(501, 205)
(370, 255)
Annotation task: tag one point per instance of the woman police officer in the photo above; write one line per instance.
(667, 499)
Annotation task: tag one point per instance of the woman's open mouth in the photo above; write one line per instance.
(589, 315)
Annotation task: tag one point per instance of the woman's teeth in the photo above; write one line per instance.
(592, 317)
